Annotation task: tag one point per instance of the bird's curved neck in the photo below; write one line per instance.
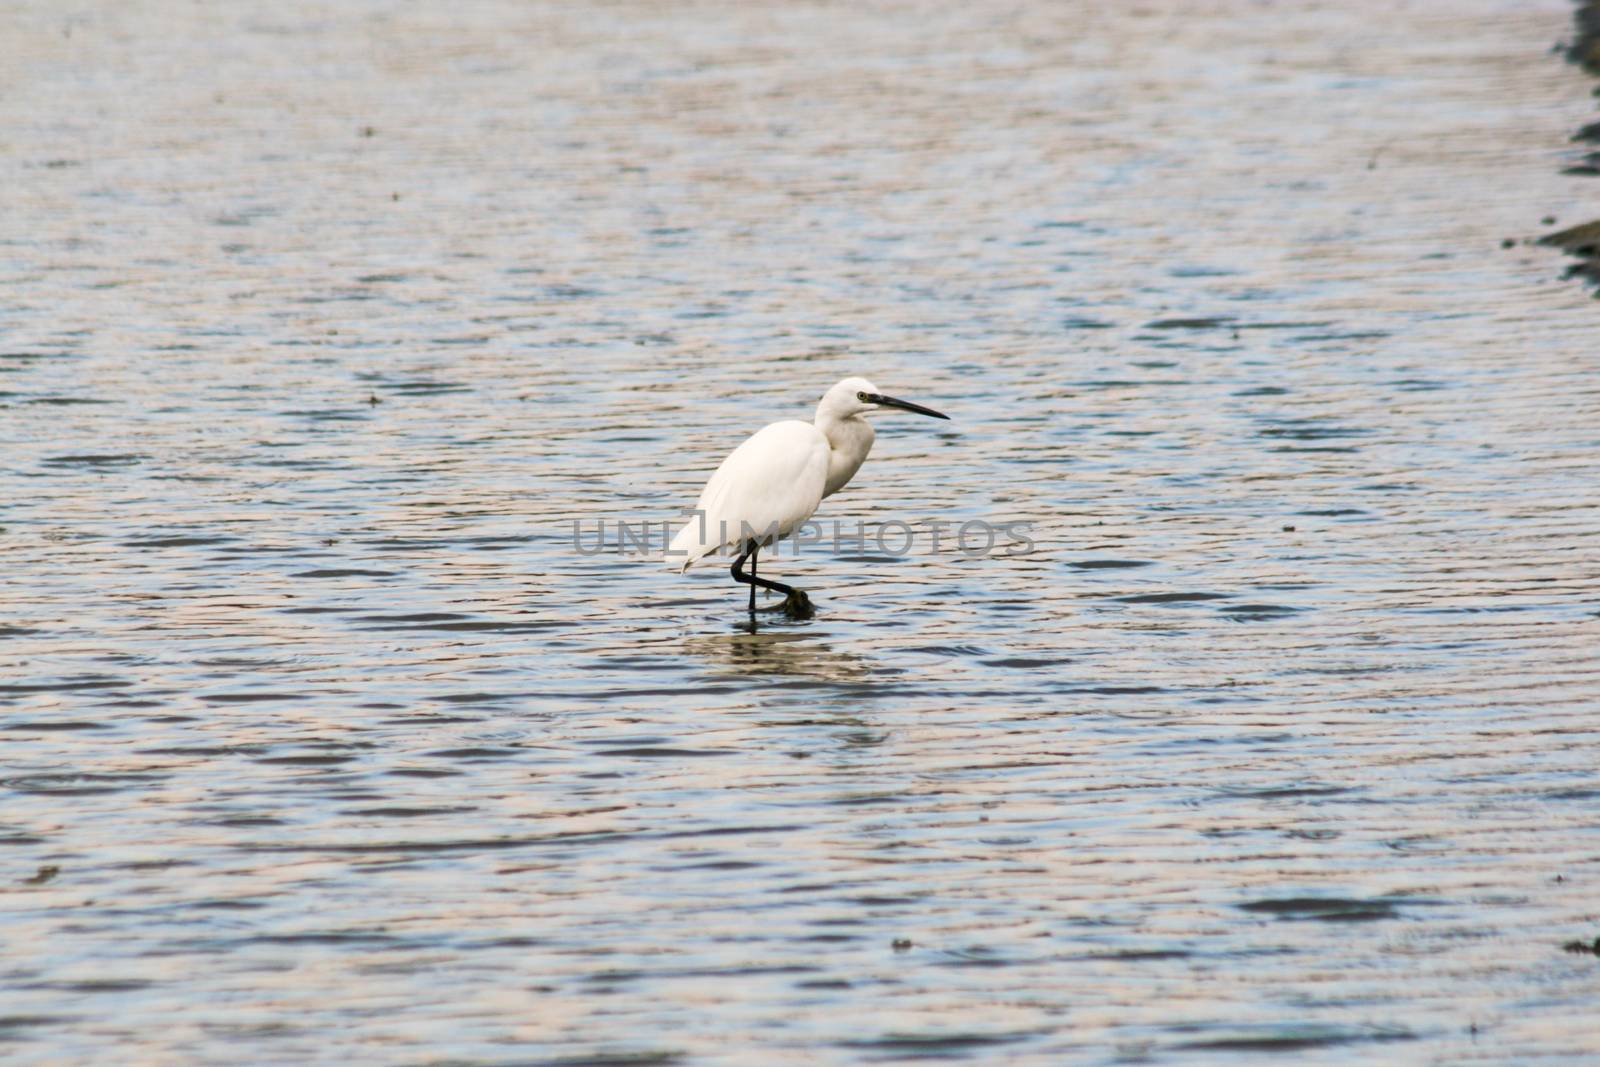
(849, 441)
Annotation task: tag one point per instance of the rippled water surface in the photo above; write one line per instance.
(322, 324)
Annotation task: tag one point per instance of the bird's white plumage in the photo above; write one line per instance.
(771, 484)
(773, 481)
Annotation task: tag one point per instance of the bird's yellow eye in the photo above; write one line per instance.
(861, 397)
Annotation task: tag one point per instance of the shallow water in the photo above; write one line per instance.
(323, 743)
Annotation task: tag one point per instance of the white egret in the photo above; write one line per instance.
(773, 482)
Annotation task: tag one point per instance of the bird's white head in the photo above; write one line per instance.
(854, 397)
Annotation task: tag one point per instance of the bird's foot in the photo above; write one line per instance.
(797, 605)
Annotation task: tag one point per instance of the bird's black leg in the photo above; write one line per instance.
(750, 579)
(795, 602)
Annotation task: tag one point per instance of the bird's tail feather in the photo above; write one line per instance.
(688, 547)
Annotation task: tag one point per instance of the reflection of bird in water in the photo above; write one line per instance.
(771, 484)
(778, 652)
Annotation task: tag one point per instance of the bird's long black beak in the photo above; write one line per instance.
(903, 405)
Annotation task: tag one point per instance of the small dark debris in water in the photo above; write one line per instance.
(1288, 529)
(901, 944)
(1583, 948)
(45, 874)
(1509, 242)
(1585, 48)
(330, 541)
(1578, 240)
(1583, 243)
(369, 131)
(1548, 220)
(373, 400)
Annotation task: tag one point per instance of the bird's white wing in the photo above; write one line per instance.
(772, 482)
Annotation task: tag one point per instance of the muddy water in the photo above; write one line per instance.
(322, 743)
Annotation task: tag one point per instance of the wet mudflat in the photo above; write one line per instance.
(323, 742)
